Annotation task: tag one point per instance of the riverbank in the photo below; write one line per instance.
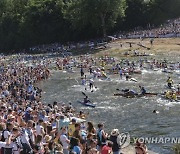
(132, 115)
(160, 46)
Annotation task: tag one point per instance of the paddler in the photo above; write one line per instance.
(155, 111)
(178, 89)
(120, 73)
(86, 100)
(127, 76)
(103, 63)
(174, 96)
(103, 74)
(168, 94)
(169, 82)
(129, 92)
(143, 90)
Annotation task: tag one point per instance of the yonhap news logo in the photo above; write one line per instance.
(124, 140)
(157, 140)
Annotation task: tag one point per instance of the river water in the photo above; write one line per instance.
(133, 115)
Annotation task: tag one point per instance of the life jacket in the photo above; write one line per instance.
(168, 95)
(174, 97)
(5, 150)
(170, 81)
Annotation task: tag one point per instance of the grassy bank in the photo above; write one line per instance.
(160, 45)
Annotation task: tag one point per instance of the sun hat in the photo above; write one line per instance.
(10, 116)
(48, 138)
(115, 132)
(29, 109)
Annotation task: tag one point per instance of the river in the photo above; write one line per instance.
(132, 115)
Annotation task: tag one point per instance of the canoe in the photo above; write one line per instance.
(139, 95)
(87, 104)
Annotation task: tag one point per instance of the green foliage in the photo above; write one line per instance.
(98, 14)
(161, 10)
(24, 23)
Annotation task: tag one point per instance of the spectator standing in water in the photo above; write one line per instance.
(82, 71)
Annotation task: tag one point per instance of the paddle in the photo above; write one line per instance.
(86, 96)
(76, 81)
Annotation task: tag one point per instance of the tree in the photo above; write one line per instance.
(10, 21)
(44, 22)
(99, 14)
(161, 10)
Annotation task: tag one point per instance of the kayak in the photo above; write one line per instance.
(133, 79)
(89, 104)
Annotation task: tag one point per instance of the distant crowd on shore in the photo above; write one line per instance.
(170, 29)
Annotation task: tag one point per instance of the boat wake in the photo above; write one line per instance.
(166, 102)
(84, 88)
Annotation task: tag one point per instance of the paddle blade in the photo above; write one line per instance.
(84, 93)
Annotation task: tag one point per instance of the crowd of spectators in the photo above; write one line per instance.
(30, 126)
(170, 29)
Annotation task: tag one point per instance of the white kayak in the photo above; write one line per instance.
(133, 79)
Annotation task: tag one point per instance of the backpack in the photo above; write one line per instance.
(72, 143)
(2, 135)
(6, 150)
(26, 148)
(30, 141)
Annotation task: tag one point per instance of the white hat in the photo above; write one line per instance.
(29, 109)
(115, 132)
(57, 114)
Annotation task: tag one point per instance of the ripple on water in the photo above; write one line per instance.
(83, 88)
(133, 115)
(107, 108)
(168, 103)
